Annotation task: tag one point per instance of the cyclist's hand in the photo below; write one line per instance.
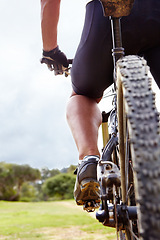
(55, 60)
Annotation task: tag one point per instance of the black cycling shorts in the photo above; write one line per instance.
(92, 70)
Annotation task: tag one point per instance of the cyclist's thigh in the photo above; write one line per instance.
(141, 29)
(92, 68)
(153, 57)
(141, 33)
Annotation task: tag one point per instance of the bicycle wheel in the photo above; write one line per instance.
(139, 146)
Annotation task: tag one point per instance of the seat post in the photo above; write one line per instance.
(118, 50)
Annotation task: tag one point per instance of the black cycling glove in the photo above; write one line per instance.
(55, 60)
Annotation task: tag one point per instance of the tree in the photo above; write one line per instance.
(71, 169)
(60, 186)
(24, 173)
(46, 173)
(54, 172)
(12, 176)
(28, 192)
(7, 181)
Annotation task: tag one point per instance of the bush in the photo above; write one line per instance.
(28, 193)
(59, 187)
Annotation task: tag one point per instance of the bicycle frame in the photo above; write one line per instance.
(109, 188)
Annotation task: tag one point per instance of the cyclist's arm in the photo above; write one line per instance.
(49, 21)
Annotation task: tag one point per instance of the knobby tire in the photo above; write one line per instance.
(138, 123)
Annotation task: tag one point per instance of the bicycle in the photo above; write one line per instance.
(130, 203)
(129, 169)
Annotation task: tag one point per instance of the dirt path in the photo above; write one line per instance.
(75, 232)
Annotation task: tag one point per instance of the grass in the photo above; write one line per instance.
(49, 220)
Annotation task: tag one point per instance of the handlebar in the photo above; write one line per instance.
(57, 68)
(70, 61)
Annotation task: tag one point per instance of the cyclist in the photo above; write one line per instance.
(92, 71)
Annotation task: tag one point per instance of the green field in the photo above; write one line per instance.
(49, 220)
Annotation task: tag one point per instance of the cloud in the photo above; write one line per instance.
(32, 100)
(33, 126)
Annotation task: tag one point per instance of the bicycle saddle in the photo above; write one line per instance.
(117, 8)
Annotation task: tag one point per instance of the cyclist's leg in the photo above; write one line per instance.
(141, 34)
(84, 118)
(91, 74)
(90, 71)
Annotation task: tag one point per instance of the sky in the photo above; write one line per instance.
(33, 127)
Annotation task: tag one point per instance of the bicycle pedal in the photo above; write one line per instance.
(91, 206)
(108, 173)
